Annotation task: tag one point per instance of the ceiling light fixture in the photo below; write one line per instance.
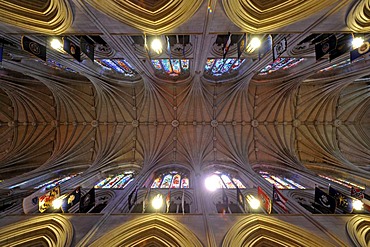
(156, 46)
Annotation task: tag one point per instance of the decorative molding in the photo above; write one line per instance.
(154, 228)
(52, 230)
(153, 17)
(358, 18)
(255, 16)
(358, 229)
(46, 17)
(260, 230)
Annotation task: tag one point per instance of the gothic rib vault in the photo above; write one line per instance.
(298, 118)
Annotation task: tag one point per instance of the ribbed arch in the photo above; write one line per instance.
(265, 16)
(258, 230)
(358, 18)
(51, 230)
(144, 15)
(155, 228)
(358, 229)
(43, 16)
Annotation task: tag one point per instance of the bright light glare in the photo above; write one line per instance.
(156, 46)
(255, 43)
(357, 42)
(358, 205)
(253, 202)
(157, 201)
(56, 44)
(211, 183)
(57, 203)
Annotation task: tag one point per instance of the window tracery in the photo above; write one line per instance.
(120, 66)
(119, 181)
(172, 67)
(281, 182)
(219, 66)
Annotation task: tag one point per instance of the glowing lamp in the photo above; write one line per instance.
(57, 203)
(56, 44)
(255, 43)
(211, 183)
(157, 201)
(156, 46)
(253, 202)
(357, 42)
(358, 205)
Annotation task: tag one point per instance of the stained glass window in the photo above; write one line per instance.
(238, 183)
(157, 65)
(185, 183)
(171, 180)
(156, 183)
(218, 67)
(227, 182)
(171, 67)
(281, 63)
(343, 182)
(224, 180)
(176, 181)
(55, 65)
(119, 181)
(55, 182)
(342, 64)
(166, 181)
(281, 182)
(119, 65)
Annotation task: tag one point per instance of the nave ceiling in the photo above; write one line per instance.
(305, 116)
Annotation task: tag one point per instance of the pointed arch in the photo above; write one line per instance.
(47, 17)
(259, 230)
(52, 230)
(358, 229)
(155, 229)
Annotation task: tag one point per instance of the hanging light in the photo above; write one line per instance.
(156, 46)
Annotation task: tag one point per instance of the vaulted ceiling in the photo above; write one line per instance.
(311, 115)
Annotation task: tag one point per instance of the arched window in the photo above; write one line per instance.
(224, 180)
(281, 64)
(172, 67)
(341, 181)
(56, 181)
(281, 182)
(218, 67)
(55, 65)
(47, 182)
(173, 186)
(119, 181)
(228, 197)
(172, 179)
(120, 66)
